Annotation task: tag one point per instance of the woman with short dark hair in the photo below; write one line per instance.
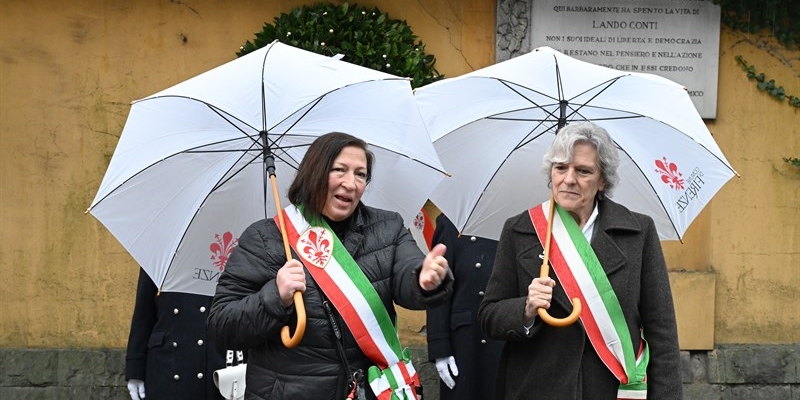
(352, 262)
(310, 185)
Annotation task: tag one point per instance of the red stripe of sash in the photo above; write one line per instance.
(572, 289)
(342, 304)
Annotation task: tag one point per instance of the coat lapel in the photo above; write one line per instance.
(526, 230)
(611, 217)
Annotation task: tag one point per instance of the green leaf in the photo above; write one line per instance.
(363, 35)
(777, 16)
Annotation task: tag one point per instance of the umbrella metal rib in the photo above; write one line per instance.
(512, 110)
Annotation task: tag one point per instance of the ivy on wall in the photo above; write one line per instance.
(782, 17)
(792, 160)
(366, 37)
(768, 86)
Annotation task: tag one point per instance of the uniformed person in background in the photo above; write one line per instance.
(169, 355)
(465, 358)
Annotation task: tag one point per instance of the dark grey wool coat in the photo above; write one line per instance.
(247, 312)
(560, 363)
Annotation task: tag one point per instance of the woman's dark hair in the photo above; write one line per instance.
(310, 185)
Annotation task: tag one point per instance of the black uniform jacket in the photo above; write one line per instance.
(452, 327)
(168, 347)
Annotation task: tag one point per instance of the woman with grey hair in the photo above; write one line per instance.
(606, 256)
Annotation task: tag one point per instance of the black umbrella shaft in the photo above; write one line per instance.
(562, 116)
(269, 158)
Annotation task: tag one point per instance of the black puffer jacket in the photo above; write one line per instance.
(247, 313)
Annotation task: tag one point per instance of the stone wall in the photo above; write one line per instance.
(730, 372)
(27, 374)
(742, 372)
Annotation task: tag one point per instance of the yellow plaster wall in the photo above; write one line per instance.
(68, 71)
(694, 308)
(755, 221)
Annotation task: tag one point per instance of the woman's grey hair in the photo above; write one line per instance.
(560, 150)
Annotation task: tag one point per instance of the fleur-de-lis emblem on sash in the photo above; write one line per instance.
(316, 246)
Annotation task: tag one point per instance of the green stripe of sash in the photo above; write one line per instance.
(635, 372)
(351, 268)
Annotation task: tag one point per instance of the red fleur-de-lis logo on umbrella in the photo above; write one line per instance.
(669, 173)
(419, 221)
(316, 246)
(221, 249)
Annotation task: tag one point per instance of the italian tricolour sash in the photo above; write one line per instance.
(582, 276)
(337, 274)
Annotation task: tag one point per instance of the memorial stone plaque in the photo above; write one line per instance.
(676, 39)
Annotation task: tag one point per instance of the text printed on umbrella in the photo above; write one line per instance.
(696, 183)
(674, 178)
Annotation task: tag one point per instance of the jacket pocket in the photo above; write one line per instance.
(459, 319)
(156, 339)
(276, 392)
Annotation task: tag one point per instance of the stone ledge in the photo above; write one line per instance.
(755, 364)
(65, 393)
(62, 367)
(729, 372)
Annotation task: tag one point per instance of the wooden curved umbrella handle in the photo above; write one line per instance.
(544, 272)
(288, 340)
(291, 341)
(559, 322)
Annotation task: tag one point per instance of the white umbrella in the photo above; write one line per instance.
(492, 126)
(188, 174)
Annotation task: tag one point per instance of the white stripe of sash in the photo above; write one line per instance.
(590, 293)
(632, 394)
(354, 295)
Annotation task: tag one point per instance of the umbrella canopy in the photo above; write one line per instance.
(188, 174)
(492, 126)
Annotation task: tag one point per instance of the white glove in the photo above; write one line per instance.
(446, 366)
(136, 389)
